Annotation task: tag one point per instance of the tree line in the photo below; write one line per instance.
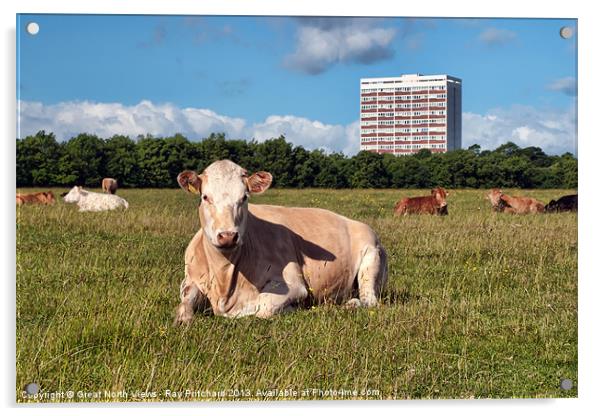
(154, 162)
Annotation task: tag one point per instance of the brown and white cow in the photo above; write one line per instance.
(262, 259)
(501, 202)
(435, 203)
(45, 198)
(109, 185)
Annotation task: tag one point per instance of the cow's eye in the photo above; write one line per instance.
(205, 198)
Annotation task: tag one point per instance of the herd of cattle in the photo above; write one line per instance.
(261, 260)
(85, 200)
(436, 203)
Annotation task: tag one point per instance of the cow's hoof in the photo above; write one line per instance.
(264, 314)
(184, 316)
(369, 302)
(353, 303)
(182, 321)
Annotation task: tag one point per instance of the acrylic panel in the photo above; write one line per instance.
(232, 208)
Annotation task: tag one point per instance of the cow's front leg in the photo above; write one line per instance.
(280, 293)
(270, 304)
(191, 298)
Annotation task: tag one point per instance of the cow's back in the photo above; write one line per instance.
(421, 205)
(568, 203)
(35, 198)
(533, 205)
(328, 246)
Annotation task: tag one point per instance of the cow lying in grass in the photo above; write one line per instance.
(501, 202)
(262, 260)
(435, 204)
(109, 185)
(93, 201)
(563, 204)
(45, 198)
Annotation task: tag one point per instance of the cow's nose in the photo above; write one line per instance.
(227, 238)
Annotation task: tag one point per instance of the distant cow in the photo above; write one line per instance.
(501, 202)
(261, 260)
(94, 201)
(434, 204)
(45, 198)
(563, 204)
(109, 185)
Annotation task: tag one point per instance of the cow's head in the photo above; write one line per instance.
(224, 188)
(495, 196)
(440, 194)
(73, 195)
(552, 206)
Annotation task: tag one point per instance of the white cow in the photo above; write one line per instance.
(94, 201)
(261, 260)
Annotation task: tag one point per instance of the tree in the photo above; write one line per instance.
(153, 170)
(489, 170)
(536, 156)
(211, 149)
(156, 162)
(334, 172)
(462, 166)
(508, 149)
(38, 160)
(178, 154)
(276, 157)
(85, 160)
(368, 171)
(122, 161)
(475, 148)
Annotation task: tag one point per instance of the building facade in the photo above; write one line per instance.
(401, 115)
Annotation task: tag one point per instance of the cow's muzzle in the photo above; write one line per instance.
(227, 239)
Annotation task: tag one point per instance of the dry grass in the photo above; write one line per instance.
(478, 305)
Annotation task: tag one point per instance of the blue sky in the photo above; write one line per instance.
(258, 77)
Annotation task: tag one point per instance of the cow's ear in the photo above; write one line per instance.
(190, 181)
(259, 182)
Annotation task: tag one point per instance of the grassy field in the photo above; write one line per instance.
(478, 305)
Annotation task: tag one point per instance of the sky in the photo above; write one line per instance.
(256, 77)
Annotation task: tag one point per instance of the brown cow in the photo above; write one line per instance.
(261, 260)
(109, 185)
(513, 205)
(435, 204)
(45, 198)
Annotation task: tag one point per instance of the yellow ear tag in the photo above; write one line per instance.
(192, 189)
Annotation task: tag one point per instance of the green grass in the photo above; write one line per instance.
(478, 305)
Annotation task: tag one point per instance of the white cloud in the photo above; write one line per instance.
(323, 42)
(552, 130)
(67, 119)
(567, 85)
(492, 36)
(310, 133)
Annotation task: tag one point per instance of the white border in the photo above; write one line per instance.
(589, 225)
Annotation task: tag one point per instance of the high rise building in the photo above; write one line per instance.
(401, 115)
